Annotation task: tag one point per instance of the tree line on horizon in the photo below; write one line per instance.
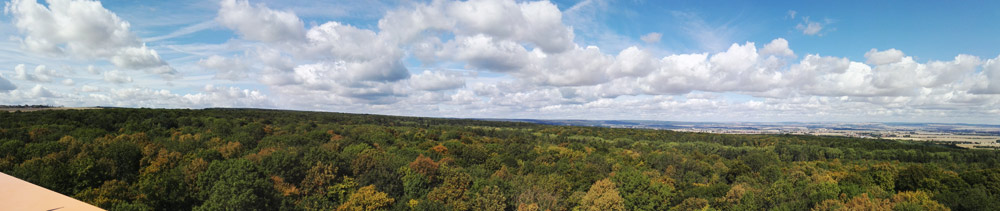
(250, 159)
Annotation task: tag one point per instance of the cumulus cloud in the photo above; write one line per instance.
(486, 53)
(778, 47)
(581, 66)
(652, 37)
(41, 74)
(257, 22)
(535, 23)
(539, 23)
(906, 74)
(493, 35)
(337, 77)
(40, 92)
(364, 55)
(328, 57)
(875, 57)
(831, 76)
(633, 62)
(740, 68)
(85, 29)
(68, 82)
(989, 78)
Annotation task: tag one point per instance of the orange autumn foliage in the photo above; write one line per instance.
(425, 166)
(440, 149)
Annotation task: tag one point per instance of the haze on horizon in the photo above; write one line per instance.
(856, 61)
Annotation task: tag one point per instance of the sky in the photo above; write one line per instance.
(723, 61)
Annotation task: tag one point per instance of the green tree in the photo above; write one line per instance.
(490, 198)
(640, 193)
(415, 185)
(235, 184)
(452, 192)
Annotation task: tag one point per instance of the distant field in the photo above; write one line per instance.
(981, 141)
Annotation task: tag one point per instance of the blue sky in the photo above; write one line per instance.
(927, 29)
(909, 61)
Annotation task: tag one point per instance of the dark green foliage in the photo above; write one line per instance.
(235, 185)
(247, 159)
(641, 194)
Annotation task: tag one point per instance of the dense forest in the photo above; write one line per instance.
(248, 159)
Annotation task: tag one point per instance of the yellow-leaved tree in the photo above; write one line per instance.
(602, 196)
(365, 199)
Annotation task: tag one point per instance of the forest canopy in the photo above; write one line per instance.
(250, 159)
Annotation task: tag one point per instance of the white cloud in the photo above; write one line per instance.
(778, 47)
(581, 66)
(259, 22)
(741, 68)
(89, 88)
(791, 14)
(809, 27)
(832, 76)
(876, 57)
(227, 68)
(633, 62)
(40, 92)
(68, 82)
(652, 37)
(85, 29)
(535, 23)
(989, 78)
(117, 77)
(41, 74)
(484, 52)
(907, 75)
(407, 25)
(228, 97)
(539, 23)
(93, 70)
(679, 74)
(139, 57)
(364, 55)
(210, 96)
